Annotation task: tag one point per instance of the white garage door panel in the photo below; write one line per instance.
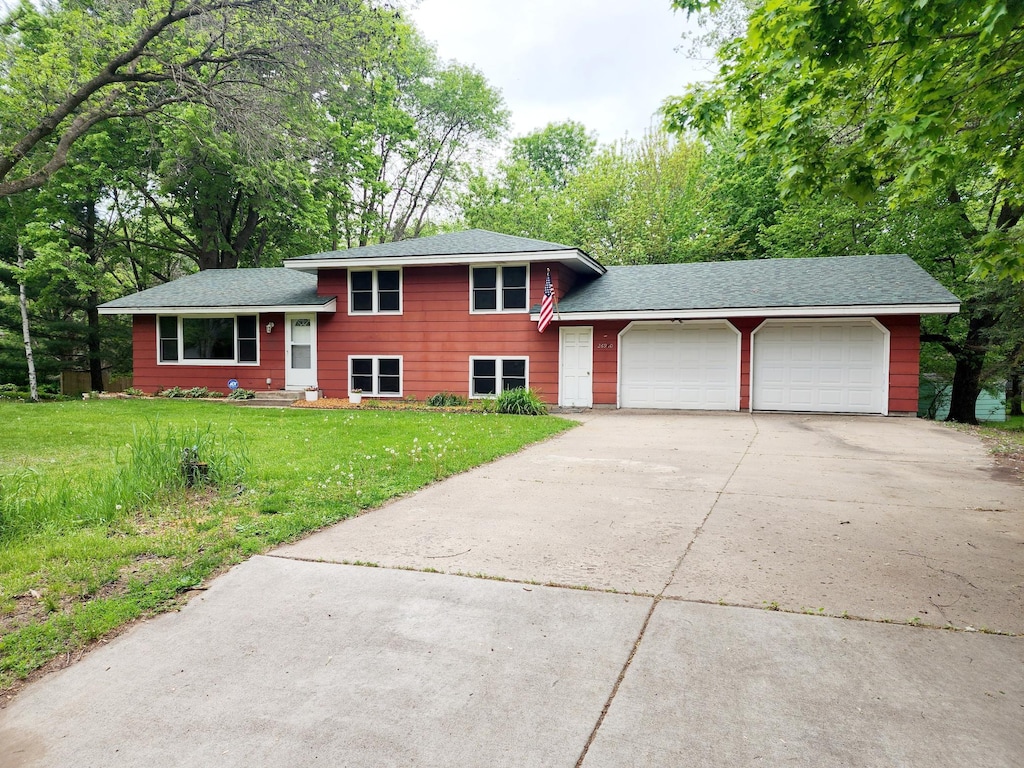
(830, 367)
(694, 367)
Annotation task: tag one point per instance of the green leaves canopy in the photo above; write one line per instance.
(852, 94)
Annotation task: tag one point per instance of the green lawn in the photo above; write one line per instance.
(93, 533)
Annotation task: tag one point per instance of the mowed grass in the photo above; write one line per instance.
(86, 545)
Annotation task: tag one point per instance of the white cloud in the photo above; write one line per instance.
(607, 63)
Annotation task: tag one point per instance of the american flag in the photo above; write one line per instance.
(547, 305)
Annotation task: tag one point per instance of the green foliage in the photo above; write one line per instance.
(445, 399)
(520, 402)
(242, 394)
(852, 96)
(558, 152)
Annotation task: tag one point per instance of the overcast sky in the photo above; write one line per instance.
(606, 63)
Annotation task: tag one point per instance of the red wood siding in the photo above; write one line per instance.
(150, 376)
(904, 357)
(904, 361)
(435, 335)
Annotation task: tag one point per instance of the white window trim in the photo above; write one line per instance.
(181, 342)
(376, 294)
(498, 360)
(376, 374)
(499, 285)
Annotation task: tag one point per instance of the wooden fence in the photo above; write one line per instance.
(74, 383)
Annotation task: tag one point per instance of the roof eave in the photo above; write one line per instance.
(574, 258)
(326, 307)
(856, 310)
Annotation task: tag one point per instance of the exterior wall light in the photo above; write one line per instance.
(270, 326)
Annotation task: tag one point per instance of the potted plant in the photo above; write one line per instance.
(355, 396)
(313, 393)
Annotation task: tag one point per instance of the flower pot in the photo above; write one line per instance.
(312, 394)
(355, 397)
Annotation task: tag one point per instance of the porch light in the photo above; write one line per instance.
(270, 326)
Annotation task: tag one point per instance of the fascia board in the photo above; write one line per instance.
(330, 306)
(574, 259)
(706, 314)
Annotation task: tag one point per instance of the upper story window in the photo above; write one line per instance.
(375, 291)
(499, 289)
(198, 340)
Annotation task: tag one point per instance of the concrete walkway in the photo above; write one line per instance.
(683, 528)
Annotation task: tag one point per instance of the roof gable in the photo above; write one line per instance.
(467, 246)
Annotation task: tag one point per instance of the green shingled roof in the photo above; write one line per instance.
(217, 288)
(472, 241)
(841, 281)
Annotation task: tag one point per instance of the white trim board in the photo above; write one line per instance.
(330, 306)
(765, 312)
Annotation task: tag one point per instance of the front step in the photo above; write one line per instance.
(278, 398)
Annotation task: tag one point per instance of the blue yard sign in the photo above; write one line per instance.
(232, 384)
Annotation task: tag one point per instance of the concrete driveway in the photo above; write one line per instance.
(679, 534)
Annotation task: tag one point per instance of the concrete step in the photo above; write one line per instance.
(273, 398)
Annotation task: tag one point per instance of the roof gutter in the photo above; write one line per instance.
(330, 306)
(862, 310)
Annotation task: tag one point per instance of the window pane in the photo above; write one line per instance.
(484, 380)
(168, 350)
(301, 357)
(513, 374)
(389, 366)
(513, 277)
(362, 281)
(168, 327)
(362, 302)
(364, 383)
(389, 385)
(387, 280)
(485, 299)
(485, 277)
(388, 301)
(247, 350)
(362, 292)
(362, 366)
(513, 298)
(247, 326)
(209, 338)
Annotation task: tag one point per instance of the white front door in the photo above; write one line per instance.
(300, 351)
(576, 383)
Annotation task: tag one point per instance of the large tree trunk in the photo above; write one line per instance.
(33, 385)
(970, 362)
(92, 301)
(1014, 395)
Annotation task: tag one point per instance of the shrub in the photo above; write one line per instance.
(171, 392)
(444, 399)
(521, 402)
(197, 392)
(133, 392)
(242, 394)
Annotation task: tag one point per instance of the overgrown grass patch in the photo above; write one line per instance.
(98, 527)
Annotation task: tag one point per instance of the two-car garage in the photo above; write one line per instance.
(816, 365)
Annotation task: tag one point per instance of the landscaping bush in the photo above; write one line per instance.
(133, 392)
(242, 394)
(521, 402)
(446, 399)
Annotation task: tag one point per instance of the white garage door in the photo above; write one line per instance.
(693, 366)
(832, 367)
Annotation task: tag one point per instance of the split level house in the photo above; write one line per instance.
(459, 312)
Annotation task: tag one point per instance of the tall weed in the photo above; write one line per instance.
(151, 465)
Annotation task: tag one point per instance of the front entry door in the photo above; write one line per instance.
(300, 351)
(576, 384)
